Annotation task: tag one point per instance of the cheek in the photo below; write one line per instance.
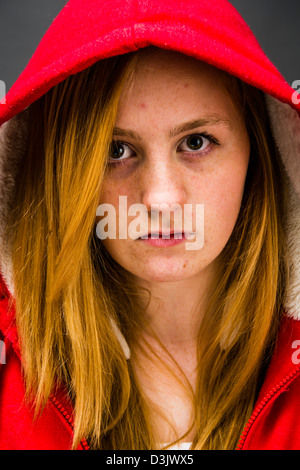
(227, 198)
(109, 193)
(220, 218)
(117, 221)
(222, 206)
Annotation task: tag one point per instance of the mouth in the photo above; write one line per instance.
(163, 235)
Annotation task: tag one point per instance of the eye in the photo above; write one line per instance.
(196, 142)
(119, 151)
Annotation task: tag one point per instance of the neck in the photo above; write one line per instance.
(167, 369)
(176, 308)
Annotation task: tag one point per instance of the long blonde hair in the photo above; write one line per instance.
(68, 288)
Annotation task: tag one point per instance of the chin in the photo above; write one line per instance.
(164, 273)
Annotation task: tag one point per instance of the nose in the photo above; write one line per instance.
(162, 184)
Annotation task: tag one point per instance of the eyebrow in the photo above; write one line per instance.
(211, 119)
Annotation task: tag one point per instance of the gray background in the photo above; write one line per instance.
(276, 24)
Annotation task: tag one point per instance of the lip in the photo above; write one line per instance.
(156, 239)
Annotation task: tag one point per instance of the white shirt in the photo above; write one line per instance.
(180, 446)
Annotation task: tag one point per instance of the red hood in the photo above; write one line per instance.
(83, 34)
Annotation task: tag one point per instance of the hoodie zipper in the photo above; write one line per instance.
(68, 418)
(258, 409)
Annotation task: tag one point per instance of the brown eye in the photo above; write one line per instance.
(195, 143)
(119, 151)
(116, 150)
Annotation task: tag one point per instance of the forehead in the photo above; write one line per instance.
(173, 85)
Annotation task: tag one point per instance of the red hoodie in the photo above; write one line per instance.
(87, 31)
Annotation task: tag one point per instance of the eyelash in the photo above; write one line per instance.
(206, 135)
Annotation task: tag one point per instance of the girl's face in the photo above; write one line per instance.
(178, 140)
